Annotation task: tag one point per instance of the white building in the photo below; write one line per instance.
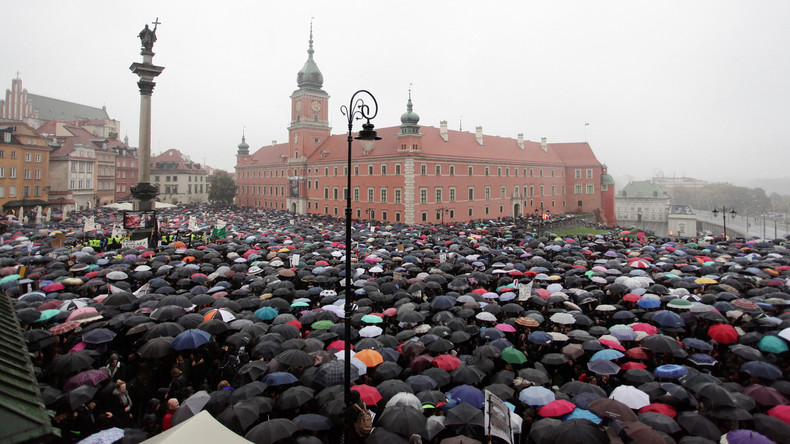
(179, 179)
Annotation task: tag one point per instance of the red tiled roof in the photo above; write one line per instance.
(575, 153)
(267, 155)
(183, 162)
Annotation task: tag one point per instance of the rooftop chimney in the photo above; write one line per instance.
(543, 144)
(521, 140)
(479, 134)
(443, 130)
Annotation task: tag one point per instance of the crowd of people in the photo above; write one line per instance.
(585, 338)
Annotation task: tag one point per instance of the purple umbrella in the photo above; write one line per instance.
(88, 377)
(742, 436)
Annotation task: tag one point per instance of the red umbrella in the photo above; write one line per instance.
(558, 407)
(638, 353)
(767, 396)
(64, 327)
(55, 286)
(647, 328)
(631, 365)
(657, 407)
(782, 412)
(612, 344)
(632, 297)
(723, 333)
(446, 362)
(369, 395)
(338, 345)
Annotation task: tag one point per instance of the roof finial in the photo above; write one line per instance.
(410, 85)
(461, 124)
(243, 132)
(310, 49)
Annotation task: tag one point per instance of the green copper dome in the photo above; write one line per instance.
(244, 148)
(607, 179)
(310, 76)
(410, 120)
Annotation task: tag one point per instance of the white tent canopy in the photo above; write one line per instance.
(127, 206)
(199, 428)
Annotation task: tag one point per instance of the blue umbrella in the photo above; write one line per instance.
(583, 414)
(607, 354)
(698, 344)
(670, 371)
(468, 394)
(668, 319)
(539, 337)
(190, 339)
(702, 359)
(603, 367)
(762, 369)
(280, 378)
(98, 336)
(266, 313)
(536, 395)
(648, 303)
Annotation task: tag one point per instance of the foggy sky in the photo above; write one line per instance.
(674, 87)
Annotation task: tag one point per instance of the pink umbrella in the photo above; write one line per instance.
(507, 328)
(79, 346)
(84, 314)
(55, 286)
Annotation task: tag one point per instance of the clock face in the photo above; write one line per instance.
(298, 106)
(316, 105)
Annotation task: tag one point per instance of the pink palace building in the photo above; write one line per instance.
(416, 174)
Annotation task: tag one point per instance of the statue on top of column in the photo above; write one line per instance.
(148, 37)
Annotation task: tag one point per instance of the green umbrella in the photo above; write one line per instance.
(372, 319)
(322, 325)
(513, 356)
(300, 304)
(679, 303)
(9, 278)
(47, 315)
(772, 344)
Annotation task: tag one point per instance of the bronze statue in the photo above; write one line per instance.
(148, 37)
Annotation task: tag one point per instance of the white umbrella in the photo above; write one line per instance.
(485, 316)
(405, 399)
(371, 331)
(562, 318)
(630, 396)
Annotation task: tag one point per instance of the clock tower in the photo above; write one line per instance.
(308, 130)
(309, 110)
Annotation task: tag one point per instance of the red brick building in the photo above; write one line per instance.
(416, 174)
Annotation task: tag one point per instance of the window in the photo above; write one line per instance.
(38, 191)
(577, 189)
(590, 188)
(370, 170)
(488, 194)
(28, 157)
(486, 171)
(423, 195)
(438, 170)
(531, 172)
(397, 172)
(499, 171)
(471, 192)
(334, 193)
(452, 170)
(470, 212)
(397, 196)
(470, 171)
(438, 195)
(326, 171)
(2, 152)
(540, 172)
(553, 190)
(370, 194)
(12, 191)
(356, 194)
(27, 174)
(452, 194)
(577, 174)
(503, 192)
(384, 215)
(2, 191)
(423, 169)
(531, 190)
(589, 173)
(13, 173)
(334, 171)
(397, 216)
(383, 193)
(424, 216)
(384, 170)
(13, 156)
(356, 170)
(488, 210)
(7, 137)
(2, 172)
(326, 192)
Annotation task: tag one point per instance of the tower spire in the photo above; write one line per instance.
(310, 76)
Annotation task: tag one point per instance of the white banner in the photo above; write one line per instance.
(132, 244)
(89, 225)
(295, 260)
(220, 224)
(192, 224)
(524, 291)
(497, 418)
(117, 230)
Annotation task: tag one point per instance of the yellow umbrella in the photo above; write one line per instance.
(705, 280)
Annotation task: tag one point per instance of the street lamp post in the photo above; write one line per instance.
(357, 109)
(724, 211)
(443, 210)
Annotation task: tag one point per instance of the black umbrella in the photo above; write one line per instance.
(251, 371)
(580, 431)
(403, 420)
(163, 329)
(465, 374)
(240, 416)
(218, 401)
(660, 343)
(72, 362)
(271, 431)
(295, 358)
(544, 431)
(247, 391)
(391, 387)
(660, 422)
(156, 348)
(81, 395)
(313, 422)
(294, 397)
(696, 424)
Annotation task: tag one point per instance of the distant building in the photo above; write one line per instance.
(416, 174)
(180, 180)
(125, 168)
(642, 204)
(24, 167)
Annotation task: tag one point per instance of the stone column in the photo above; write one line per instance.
(144, 193)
